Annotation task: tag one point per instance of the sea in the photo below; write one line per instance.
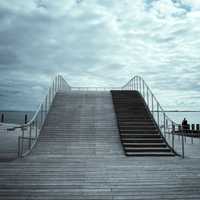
(18, 117)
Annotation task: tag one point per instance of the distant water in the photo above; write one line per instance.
(16, 117)
(192, 117)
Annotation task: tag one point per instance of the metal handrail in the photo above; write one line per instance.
(162, 120)
(95, 88)
(31, 130)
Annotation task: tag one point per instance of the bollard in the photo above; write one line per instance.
(193, 132)
(26, 119)
(193, 127)
(173, 132)
(2, 118)
(179, 131)
(197, 127)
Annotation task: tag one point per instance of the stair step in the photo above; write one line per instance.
(139, 145)
(147, 149)
(140, 135)
(138, 132)
(134, 120)
(142, 140)
(139, 123)
(137, 127)
(150, 153)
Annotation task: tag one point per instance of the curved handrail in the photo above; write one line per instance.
(164, 122)
(31, 130)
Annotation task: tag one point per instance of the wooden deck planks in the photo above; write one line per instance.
(79, 156)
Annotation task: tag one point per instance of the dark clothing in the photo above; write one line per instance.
(184, 124)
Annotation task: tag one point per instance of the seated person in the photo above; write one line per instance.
(184, 124)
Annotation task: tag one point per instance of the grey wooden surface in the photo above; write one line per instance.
(79, 156)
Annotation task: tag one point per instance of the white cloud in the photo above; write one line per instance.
(101, 42)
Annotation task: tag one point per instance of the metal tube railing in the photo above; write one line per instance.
(31, 130)
(158, 113)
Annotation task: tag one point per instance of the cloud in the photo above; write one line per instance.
(99, 43)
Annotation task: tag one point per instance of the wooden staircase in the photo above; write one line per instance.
(139, 133)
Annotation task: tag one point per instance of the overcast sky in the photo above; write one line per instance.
(99, 43)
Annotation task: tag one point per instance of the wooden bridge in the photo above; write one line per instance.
(78, 155)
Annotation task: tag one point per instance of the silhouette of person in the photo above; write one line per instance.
(184, 124)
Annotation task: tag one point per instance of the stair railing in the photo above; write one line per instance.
(30, 132)
(168, 127)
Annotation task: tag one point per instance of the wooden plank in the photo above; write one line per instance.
(79, 156)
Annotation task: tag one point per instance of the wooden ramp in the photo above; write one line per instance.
(79, 156)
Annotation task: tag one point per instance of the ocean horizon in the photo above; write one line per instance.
(18, 117)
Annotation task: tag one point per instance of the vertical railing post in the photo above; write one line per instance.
(36, 127)
(22, 148)
(152, 104)
(147, 97)
(137, 83)
(173, 132)
(164, 119)
(55, 84)
(140, 87)
(158, 120)
(182, 144)
(134, 84)
(19, 146)
(53, 87)
(30, 132)
(143, 88)
(2, 118)
(41, 116)
(58, 82)
(46, 109)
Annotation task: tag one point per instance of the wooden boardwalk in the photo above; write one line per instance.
(79, 156)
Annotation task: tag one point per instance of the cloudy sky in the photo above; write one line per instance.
(99, 43)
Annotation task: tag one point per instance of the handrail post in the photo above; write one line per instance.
(140, 88)
(137, 83)
(19, 146)
(143, 88)
(46, 99)
(41, 116)
(22, 143)
(182, 144)
(158, 119)
(54, 88)
(30, 135)
(36, 126)
(164, 119)
(152, 104)
(173, 132)
(134, 84)
(55, 84)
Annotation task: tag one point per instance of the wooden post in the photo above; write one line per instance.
(26, 119)
(193, 127)
(197, 127)
(2, 118)
(173, 132)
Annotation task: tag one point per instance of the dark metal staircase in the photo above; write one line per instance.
(139, 133)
